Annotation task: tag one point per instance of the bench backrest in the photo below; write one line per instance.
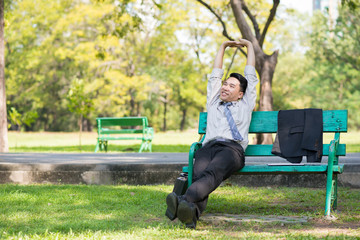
(266, 122)
(120, 122)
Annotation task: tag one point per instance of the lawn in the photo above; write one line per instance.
(171, 141)
(137, 212)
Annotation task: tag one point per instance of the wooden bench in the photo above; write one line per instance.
(334, 121)
(124, 128)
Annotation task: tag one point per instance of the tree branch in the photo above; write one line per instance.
(252, 18)
(269, 20)
(225, 33)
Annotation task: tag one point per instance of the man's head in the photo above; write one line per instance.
(233, 88)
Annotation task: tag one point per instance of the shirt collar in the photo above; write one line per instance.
(234, 103)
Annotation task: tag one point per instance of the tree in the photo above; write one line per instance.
(4, 145)
(79, 102)
(265, 63)
(334, 56)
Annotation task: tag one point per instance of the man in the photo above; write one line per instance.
(229, 108)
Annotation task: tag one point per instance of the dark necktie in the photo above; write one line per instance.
(234, 131)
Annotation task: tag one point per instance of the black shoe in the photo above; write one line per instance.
(186, 213)
(172, 201)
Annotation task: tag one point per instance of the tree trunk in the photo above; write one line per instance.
(182, 124)
(266, 98)
(80, 128)
(132, 103)
(4, 145)
(165, 111)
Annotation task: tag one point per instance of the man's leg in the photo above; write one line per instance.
(203, 158)
(226, 158)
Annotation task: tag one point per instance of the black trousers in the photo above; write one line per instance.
(214, 163)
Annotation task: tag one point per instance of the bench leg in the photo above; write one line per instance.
(142, 146)
(329, 191)
(105, 143)
(334, 194)
(331, 179)
(97, 146)
(145, 145)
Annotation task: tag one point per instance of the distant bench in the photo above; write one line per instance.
(124, 128)
(266, 122)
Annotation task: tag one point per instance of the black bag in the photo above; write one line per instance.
(181, 184)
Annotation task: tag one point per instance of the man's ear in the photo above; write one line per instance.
(241, 95)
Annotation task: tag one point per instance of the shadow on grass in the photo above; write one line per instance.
(111, 148)
(83, 208)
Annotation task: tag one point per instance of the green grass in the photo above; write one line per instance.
(137, 212)
(171, 141)
(91, 148)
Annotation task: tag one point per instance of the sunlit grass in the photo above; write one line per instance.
(137, 212)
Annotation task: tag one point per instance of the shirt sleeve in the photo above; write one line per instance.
(250, 94)
(214, 86)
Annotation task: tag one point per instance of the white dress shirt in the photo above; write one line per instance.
(217, 125)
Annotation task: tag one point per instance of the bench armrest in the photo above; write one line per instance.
(194, 147)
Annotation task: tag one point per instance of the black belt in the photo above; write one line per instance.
(223, 140)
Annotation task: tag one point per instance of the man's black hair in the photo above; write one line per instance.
(242, 80)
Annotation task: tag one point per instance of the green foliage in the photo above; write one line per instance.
(17, 119)
(327, 76)
(129, 59)
(335, 55)
(79, 101)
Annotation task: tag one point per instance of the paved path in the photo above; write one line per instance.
(135, 158)
(142, 168)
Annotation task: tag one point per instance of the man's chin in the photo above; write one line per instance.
(224, 99)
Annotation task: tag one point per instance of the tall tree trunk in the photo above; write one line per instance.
(4, 145)
(266, 98)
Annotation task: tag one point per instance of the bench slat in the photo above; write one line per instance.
(120, 131)
(284, 169)
(125, 121)
(266, 121)
(265, 150)
(120, 138)
(290, 169)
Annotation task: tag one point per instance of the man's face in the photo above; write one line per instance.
(230, 90)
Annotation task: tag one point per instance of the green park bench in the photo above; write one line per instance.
(124, 128)
(334, 121)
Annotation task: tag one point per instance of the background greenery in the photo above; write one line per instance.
(71, 61)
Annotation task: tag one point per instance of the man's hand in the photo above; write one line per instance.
(240, 43)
